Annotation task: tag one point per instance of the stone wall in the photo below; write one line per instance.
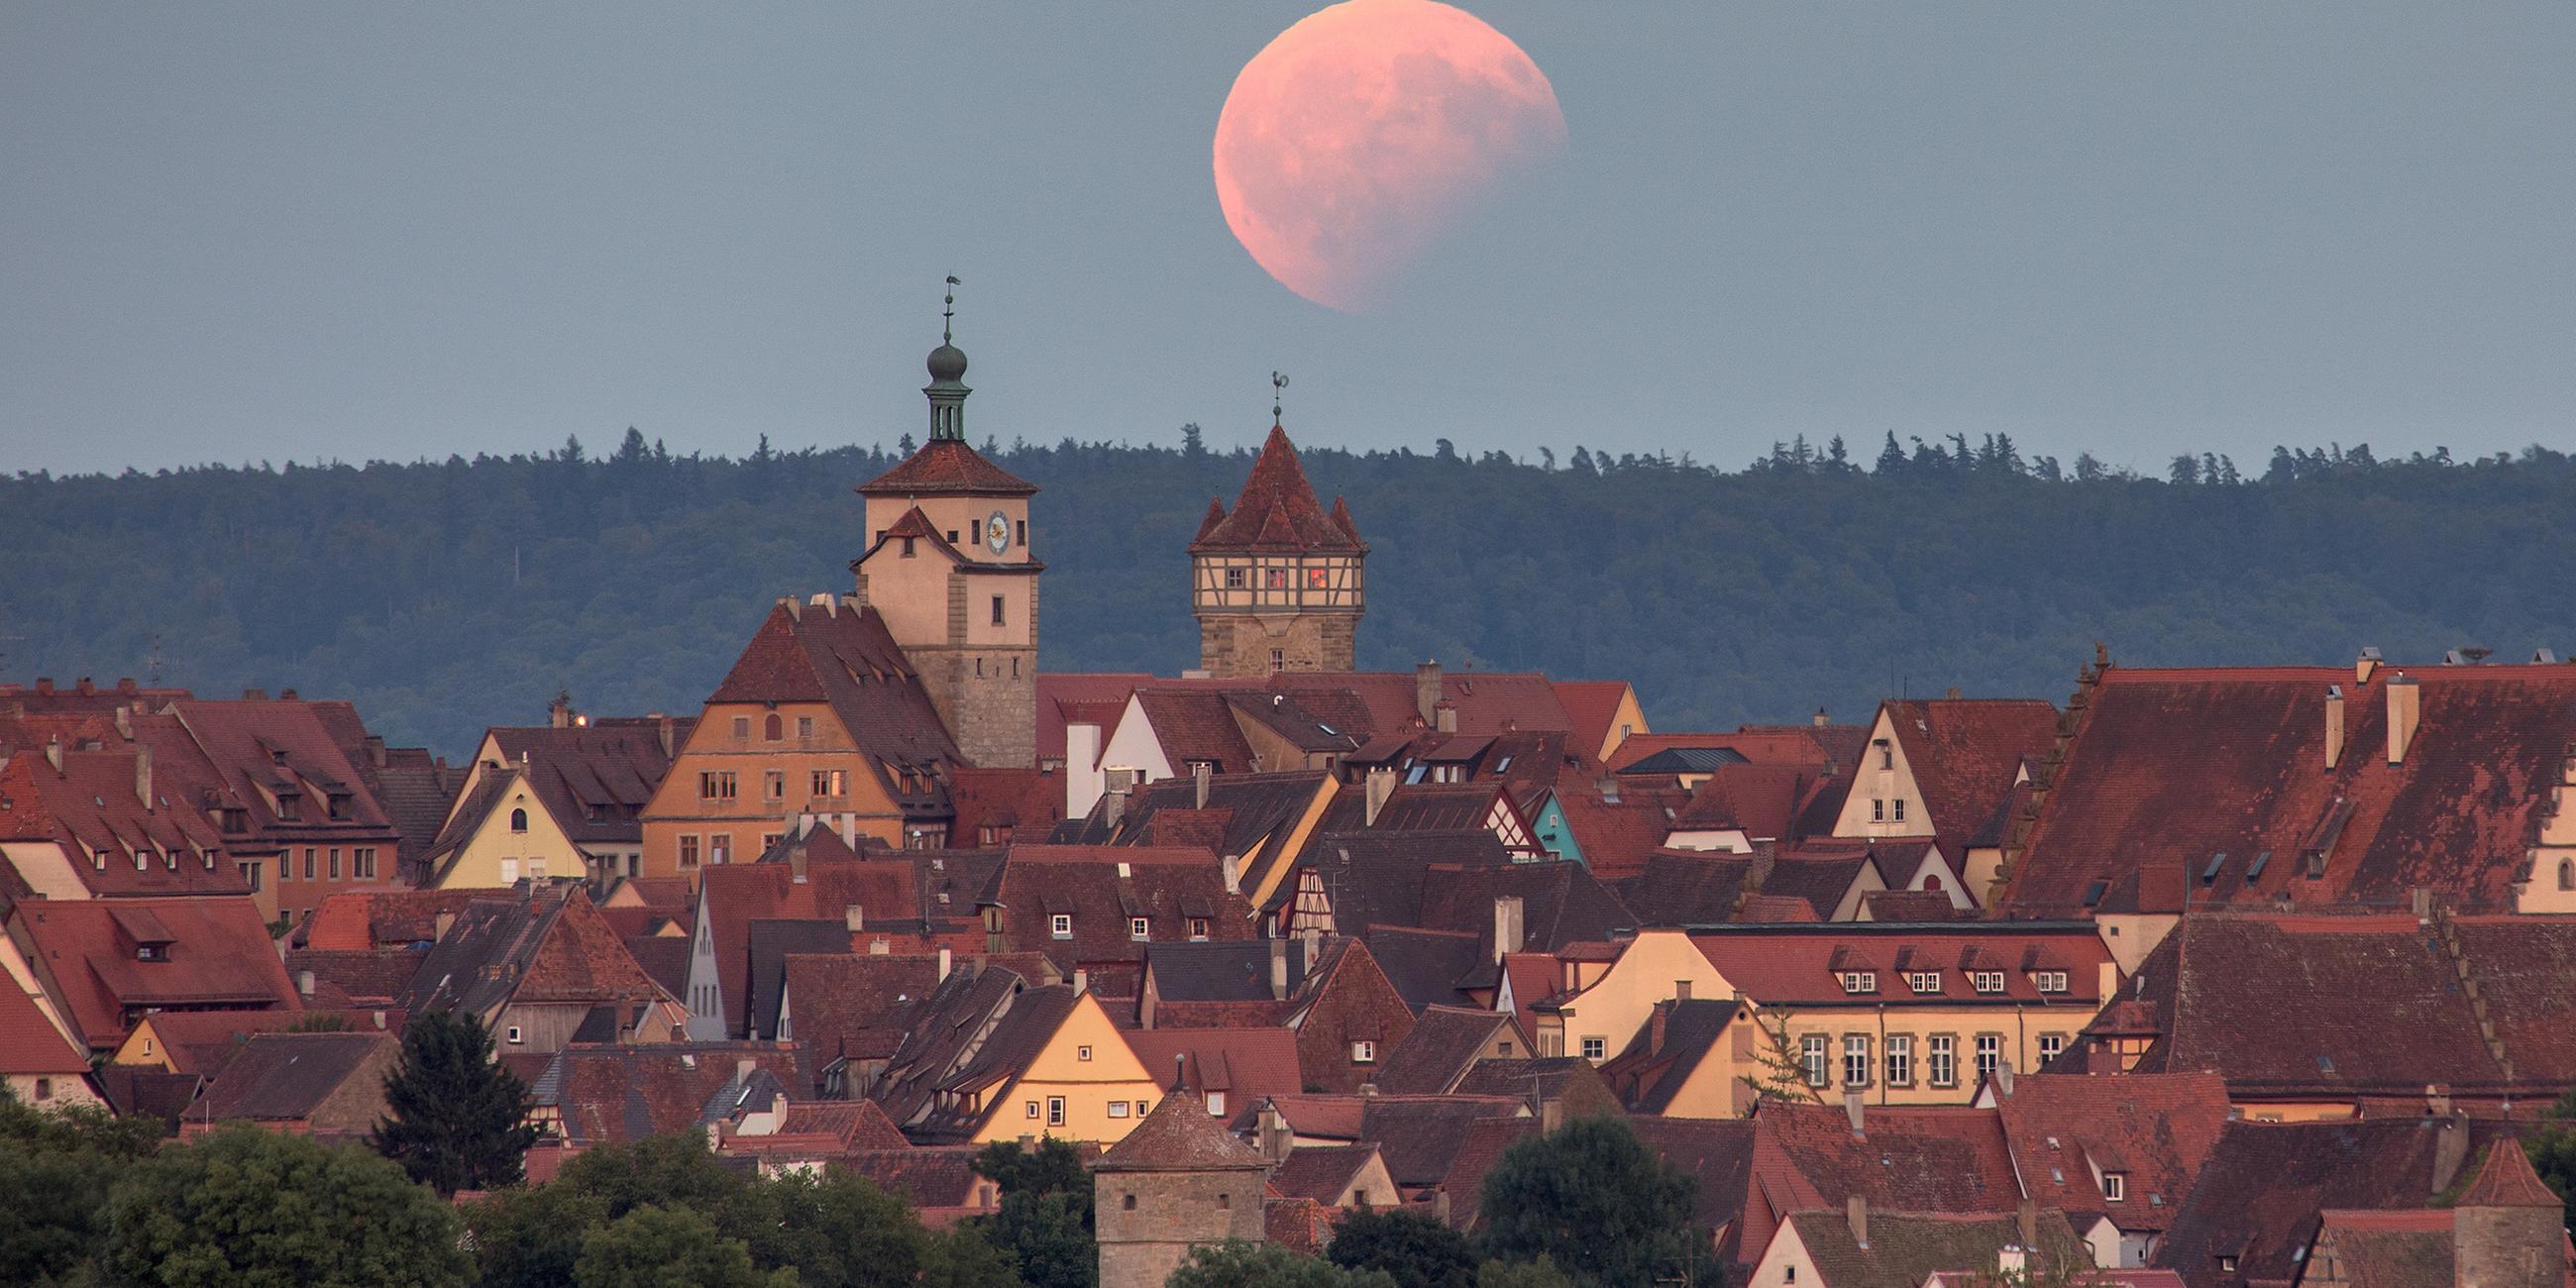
(1238, 645)
(992, 715)
(1172, 1212)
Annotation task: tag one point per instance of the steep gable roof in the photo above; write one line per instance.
(733, 895)
(1906, 1158)
(1965, 753)
(286, 1076)
(2154, 1129)
(1277, 510)
(29, 1043)
(854, 1005)
(838, 653)
(1179, 1136)
(1444, 1044)
(595, 778)
(1244, 1063)
(615, 1094)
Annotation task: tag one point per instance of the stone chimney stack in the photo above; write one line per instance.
(1426, 690)
(143, 775)
(796, 861)
(855, 917)
(2405, 708)
(1279, 970)
(2334, 725)
(1855, 1109)
(1444, 716)
(1199, 774)
(1856, 1212)
(1507, 925)
(1379, 785)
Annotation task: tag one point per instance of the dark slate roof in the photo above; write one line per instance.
(1236, 971)
(1685, 760)
(1321, 1172)
(942, 1037)
(1444, 1044)
(1376, 878)
(1426, 965)
(1007, 1051)
(2259, 1193)
(1277, 511)
(1687, 887)
(595, 779)
(1660, 1059)
(1179, 1136)
(617, 1094)
(1561, 903)
(548, 944)
(1419, 1136)
(768, 943)
(1168, 887)
(285, 1076)
(1908, 1247)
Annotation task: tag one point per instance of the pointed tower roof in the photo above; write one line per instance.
(2506, 1180)
(1179, 1136)
(1278, 511)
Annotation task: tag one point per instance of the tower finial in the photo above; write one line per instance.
(1278, 386)
(948, 308)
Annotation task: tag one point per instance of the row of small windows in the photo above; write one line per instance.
(1880, 809)
(1274, 579)
(773, 728)
(1140, 929)
(1929, 981)
(1940, 1058)
(362, 864)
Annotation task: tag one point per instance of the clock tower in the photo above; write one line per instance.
(948, 568)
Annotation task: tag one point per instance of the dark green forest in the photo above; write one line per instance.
(442, 596)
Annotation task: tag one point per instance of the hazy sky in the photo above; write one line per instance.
(250, 231)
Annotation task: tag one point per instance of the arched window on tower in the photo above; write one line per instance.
(518, 820)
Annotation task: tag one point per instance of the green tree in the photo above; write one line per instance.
(961, 1257)
(1238, 1264)
(1594, 1200)
(1780, 1072)
(656, 1247)
(244, 1206)
(2551, 1143)
(456, 1117)
(57, 1168)
(1410, 1246)
(1044, 1223)
(1541, 1273)
(840, 1231)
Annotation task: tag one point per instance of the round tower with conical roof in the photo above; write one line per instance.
(1276, 585)
(1178, 1181)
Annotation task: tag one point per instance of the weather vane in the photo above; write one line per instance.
(1278, 386)
(948, 309)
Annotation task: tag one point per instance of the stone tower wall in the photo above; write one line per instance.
(1174, 1212)
(2507, 1247)
(1237, 645)
(992, 715)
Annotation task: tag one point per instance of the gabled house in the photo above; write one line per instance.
(329, 1086)
(199, 1042)
(38, 1062)
(1943, 768)
(533, 967)
(850, 1011)
(96, 817)
(1447, 1042)
(1862, 1247)
(2121, 1151)
(1256, 824)
(821, 716)
(1344, 1011)
(103, 964)
(2326, 788)
(822, 880)
(1226, 1066)
(1840, 1158)
(994, 1058)
(565, 799)
(288, 795)
(1602, 714)
(615, 1094)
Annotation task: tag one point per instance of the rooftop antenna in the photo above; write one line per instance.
(948, 308)
(1278, 386)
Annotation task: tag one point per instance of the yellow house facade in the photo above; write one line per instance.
(746, 773)
(1606, 999)
(1085, 1083)
(499, 831)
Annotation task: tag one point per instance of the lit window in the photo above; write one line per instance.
(2115, 1186)
(1315, 579)
(1364, 1053)
(1275, 578)
(1595, 1048)
(1811, 1057)
(1061, 925)
(1855, 1060)
(1900, 1060)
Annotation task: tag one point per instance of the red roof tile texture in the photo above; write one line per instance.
(946, 467)
(29, 1043)
(205, 952)
(842, 656)
(2154, 1129)
(1965, 753)
(2199, 763)
(1277, 511)
(1179, 1136)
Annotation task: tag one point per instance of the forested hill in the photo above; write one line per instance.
(443, 597)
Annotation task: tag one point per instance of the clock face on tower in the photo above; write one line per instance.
(997, 532)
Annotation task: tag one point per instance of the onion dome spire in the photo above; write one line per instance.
(946, 390)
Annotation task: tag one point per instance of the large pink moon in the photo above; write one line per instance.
(1360, 135)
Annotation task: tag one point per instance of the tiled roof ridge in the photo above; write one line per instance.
(944, 466)
(1278, 509)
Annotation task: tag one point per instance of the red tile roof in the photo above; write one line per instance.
(841, 655)
(214, 952)
(113, 841)
(1591, 706)
(1179, 1136)
(200, 1041)
(1244, 1063)
(855, 1005)
(1965, 753)
(2505, 1179)
(2155, 1129)
(29, 1043)
(1019, 803)
(595, 779)
(617, 1094)
(944, 467)
(1801, 964)
(1103, 888)
(2197, 764)
(1094, 698)
(734, 895)
(359, 920)
(1277, 511)
(1907, 1159)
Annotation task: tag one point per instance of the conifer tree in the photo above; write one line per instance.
(455, 1117)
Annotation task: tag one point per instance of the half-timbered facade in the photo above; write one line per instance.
(1277, 584)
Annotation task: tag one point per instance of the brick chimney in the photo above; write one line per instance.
(1426, 690)
(2405, 708)
(1655, 1025)
(2334, 725)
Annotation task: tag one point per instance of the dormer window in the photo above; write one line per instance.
(2049, 981)
(1860, 981)
(1923, 981)
(340, 807)
(1137, 928)
(290, 808)
(1060, 925)
(1199, 929)
(152, 952)
(1987, 981)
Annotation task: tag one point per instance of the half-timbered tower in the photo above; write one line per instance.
(1276, 585)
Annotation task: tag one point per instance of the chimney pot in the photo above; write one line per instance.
(304, 983)
(1856, 1211)
(945, 961)
(1507, 925)
(2334, 725)
(1379, 785)
(796, 861)
(1426, 690)
(1081, 979)
(1820, 720)
(1278, 970)
(1199, 775)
